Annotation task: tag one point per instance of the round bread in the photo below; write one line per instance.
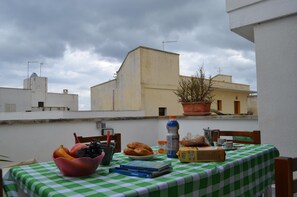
(142, 152)
(138, 149)
(130, 151)
(134, 145)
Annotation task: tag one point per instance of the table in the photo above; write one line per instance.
(247, 171)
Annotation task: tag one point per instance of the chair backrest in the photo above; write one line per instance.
(1, 183)
(254, 136)
(115, 137)
(285, 184)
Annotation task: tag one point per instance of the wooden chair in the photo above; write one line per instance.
(1, 183)
(255, 136)
(285, 184)
(116, 138)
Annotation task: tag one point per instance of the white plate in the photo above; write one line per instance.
(149, 157)
(232, 148)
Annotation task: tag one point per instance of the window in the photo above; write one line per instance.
(219, 105)
(162, 111)
(40, 104)
(10, 107)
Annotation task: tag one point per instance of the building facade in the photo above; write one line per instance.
(34, 97)
(147, 79)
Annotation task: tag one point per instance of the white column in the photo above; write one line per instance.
(276, 59)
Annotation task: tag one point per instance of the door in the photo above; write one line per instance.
(236, 107)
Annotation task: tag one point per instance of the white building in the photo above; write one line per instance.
(272, 26)
(34, 97)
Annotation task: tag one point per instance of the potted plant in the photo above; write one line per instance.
(195, 94)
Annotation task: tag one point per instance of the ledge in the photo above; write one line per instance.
(55, 120)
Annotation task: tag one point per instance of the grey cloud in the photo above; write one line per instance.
(42, 30)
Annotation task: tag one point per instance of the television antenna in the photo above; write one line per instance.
(40, 66)
(219, 70)
(168, 41)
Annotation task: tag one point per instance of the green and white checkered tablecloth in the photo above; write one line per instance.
(246, 172)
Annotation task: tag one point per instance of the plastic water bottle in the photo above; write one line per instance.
(172, 137)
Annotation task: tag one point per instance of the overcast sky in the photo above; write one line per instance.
(83, 43)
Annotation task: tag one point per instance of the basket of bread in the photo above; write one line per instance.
(194, 141)
(139, 151)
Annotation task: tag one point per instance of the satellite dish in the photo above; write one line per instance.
(33, 75)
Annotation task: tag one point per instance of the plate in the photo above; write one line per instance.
(148, 157)
(226, 149)
(232, 148)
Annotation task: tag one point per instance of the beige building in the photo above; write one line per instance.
(146, 81)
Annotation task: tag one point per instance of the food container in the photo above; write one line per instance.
(109, 151)
(201, 154)
(228, 145)
(220, 141)
(162, 146)
(79, 167)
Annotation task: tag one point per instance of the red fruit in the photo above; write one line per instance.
(77, 147)
(56, 153)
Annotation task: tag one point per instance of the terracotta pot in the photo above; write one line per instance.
(196, 108)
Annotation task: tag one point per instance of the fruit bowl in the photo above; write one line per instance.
(79, 167)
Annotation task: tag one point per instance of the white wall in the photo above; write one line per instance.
(276, 56)
(21, 98)
(272, 25)
(244, 14)
(62, 100)
(26, 139)
(38, 87)
(63, 115)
